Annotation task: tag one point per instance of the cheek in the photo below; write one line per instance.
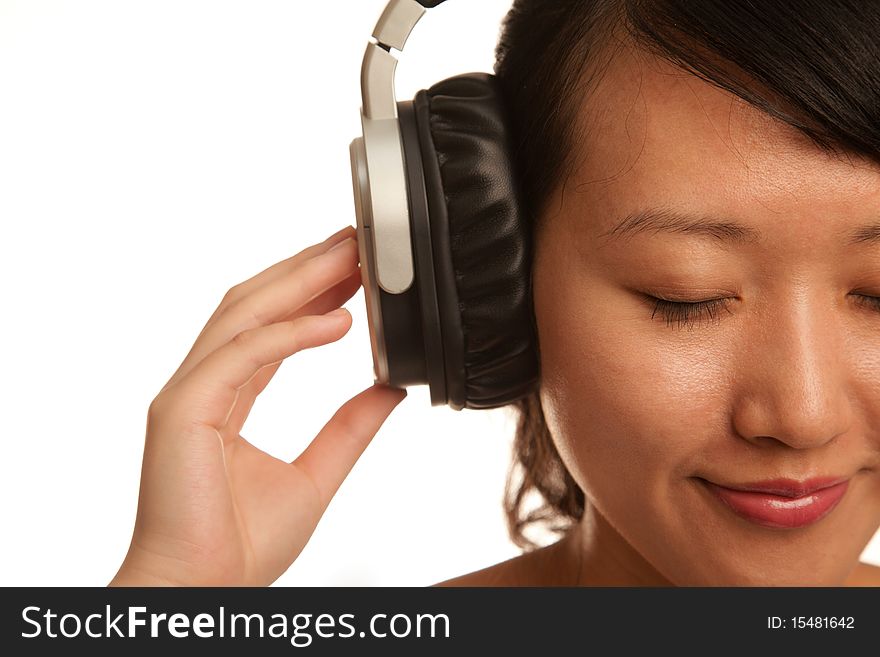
(628, 400)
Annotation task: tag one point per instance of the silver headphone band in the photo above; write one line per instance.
(383, 152)
(377, 72)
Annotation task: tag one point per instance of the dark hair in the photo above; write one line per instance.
(814, 65)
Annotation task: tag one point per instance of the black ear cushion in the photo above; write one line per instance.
(482, 243)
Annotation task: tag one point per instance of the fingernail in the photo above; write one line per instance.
(344, 243)
(339, 233)
(339, 312)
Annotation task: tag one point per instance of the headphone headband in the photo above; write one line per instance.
(391, 232)
(377, 72)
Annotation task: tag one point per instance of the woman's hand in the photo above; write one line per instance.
(214, 509)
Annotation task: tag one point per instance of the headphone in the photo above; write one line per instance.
(444, 248)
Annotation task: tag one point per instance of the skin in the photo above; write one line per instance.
(785, 385)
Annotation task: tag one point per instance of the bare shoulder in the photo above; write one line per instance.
(865, 574)
(499, 574)
(539, 567)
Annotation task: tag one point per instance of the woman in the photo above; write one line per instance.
(703, 181)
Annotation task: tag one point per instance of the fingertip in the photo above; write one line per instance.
(394, 390)
(338, 314)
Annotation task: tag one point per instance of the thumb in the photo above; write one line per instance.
(332, 454)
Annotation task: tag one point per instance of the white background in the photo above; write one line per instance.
(153, 155)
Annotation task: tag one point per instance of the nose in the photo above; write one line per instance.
(793, 379)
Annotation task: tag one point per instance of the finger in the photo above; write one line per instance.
(279, 269)
(207, 395)
(278, 299)
(285, 295)
(332, 298)
(331, 455)
(235, 293)
(289, 292)
(328, 301)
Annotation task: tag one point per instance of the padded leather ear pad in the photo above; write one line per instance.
(482, 244)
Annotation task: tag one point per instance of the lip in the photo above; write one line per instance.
(782, 503)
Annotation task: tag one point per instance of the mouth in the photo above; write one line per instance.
(784, 504)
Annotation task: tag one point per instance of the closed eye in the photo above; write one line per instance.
(872, 302)
(689, 313)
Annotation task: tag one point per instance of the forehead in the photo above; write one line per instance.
(654, 135)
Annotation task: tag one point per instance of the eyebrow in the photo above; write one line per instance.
(723, 231)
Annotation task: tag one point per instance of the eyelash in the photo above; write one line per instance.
(687, 313)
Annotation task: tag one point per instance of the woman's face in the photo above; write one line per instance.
(783, 382)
